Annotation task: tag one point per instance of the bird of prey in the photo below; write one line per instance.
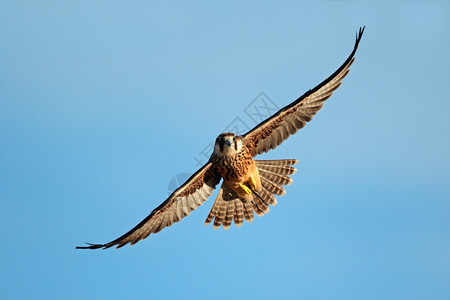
(248, 185)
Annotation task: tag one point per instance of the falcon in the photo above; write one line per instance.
(248, 186)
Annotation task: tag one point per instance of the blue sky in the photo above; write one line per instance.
(103, 103)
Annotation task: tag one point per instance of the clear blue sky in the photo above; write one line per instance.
(101, 104)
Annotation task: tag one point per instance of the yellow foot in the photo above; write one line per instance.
(251, 183)
(245, 188)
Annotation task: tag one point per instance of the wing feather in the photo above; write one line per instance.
(273, 131)
(180, 203)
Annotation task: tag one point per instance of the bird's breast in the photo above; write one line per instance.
(233, 167)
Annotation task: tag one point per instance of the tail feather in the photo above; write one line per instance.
(259, 206)
(273, 187)
(220, 216)
(276, 178)
(229, 215)
(276, 163)
(229, 206)
(278, 167)
(268, 197)
(248, 211)
(239, 213)
(214, 209)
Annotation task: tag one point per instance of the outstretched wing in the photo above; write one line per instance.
(180, 203)
(273, 131)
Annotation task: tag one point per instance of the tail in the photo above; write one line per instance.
(229, 206)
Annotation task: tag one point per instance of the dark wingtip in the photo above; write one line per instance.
(91, 246)
(359, 35)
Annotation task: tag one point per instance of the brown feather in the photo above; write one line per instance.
(180, 203)
(272, 187)
(239, 213)
(229, 206)
(271, 132)
(237, 169)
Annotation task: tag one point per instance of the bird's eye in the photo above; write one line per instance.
(234, 138)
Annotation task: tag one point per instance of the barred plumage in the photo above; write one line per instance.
(248, 185)
(231, 200)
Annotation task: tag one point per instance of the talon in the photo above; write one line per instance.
(251, 183)
(245, 188)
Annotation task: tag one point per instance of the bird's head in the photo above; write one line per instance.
(228, 144)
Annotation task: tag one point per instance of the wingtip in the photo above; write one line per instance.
(91, 246)
(83, 247)
(359, 35)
